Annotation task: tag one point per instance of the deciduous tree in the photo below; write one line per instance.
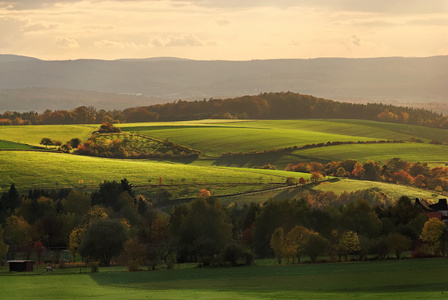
(433, 234)
(103, 240)
(348, 244)
(277, 244)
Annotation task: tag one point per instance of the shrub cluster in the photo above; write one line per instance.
(127, 146)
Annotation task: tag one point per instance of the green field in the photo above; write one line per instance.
(33, 134)
(214, 138)
(7, 145)
(223, 175)
(404, 279)
(55, 170)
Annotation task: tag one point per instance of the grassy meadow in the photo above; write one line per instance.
(223, 175)
(55, 170)
(33, 134)
(214, 137)
(403, 279)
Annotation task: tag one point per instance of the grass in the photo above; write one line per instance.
(33, 134)
(217, 138)
(7, 145)
(214, 138)
(55, 170)
(405, 279)
(222, 175)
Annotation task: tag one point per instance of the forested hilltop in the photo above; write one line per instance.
(285, 105)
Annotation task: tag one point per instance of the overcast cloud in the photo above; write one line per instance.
(223, 29)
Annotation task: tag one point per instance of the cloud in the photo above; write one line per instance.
(223, 22)
(66, 42)
(356, 40)
(430, 22)
(116, 44)
(184, 40)
(373, 23)
(39, 27)
(377, 6)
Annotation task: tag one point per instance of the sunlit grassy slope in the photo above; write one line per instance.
(36, 169)
(33, 134)
(216, 137)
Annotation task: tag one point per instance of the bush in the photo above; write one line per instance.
(291, 181)
(94, 266)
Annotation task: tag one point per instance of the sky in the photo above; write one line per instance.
(223, 29)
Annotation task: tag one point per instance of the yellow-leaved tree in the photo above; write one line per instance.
(433, 234)
(294, 243)
(95, 213)
(348, 244)
(277, 244)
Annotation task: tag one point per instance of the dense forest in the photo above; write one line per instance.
(205, 231)
(264, 106)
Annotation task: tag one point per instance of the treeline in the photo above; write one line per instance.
(264, 106)
(395, 170)
(113, 224)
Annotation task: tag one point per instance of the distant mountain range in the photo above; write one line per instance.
(28, 83)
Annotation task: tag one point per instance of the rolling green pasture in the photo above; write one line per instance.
(404, 279)
(33, 134)
(214, 138)
(51, 170)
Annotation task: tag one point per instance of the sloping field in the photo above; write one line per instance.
(37, 169)
(33, 134)
(214, 137)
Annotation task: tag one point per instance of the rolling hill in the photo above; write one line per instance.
(224, 175)
(395, 79)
